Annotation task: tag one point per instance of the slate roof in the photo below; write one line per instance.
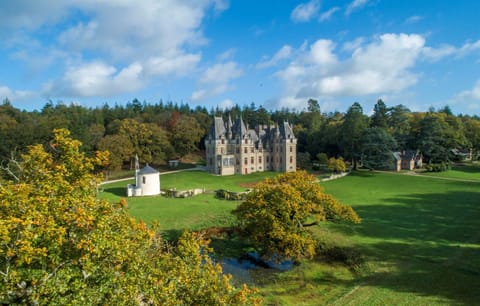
(147, 170)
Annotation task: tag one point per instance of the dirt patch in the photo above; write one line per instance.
(247, 185)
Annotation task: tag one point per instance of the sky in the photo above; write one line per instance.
(213, 53)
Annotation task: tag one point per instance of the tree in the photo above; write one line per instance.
(186, 133)
(380, 115)
(276, 215)
(377, 147)
(336, 165)
(399, 126)
(60, 244)
(352, 129)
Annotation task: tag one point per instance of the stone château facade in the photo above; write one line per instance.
(232, 148)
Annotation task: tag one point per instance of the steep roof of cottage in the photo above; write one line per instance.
(147, 170)
(397, 155)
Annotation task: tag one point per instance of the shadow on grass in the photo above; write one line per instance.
(118, 191)
(431, 241)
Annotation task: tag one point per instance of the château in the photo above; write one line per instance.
(233, 148)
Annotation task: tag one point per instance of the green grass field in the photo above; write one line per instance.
(465, 172)
(420, 238)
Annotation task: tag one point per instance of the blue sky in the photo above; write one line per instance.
(218, 52)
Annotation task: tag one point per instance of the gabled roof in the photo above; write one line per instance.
(147, 170)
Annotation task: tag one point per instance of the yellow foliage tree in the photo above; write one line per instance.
(60, 244)
(277, 214)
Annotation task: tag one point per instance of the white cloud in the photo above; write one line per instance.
(227, 103)
(216, 80)
(305, 11)
(321, 53)
(96, 79)
(380, 66)
(413, 19)
(14, 95)
(435, 54)
(150, 39)
(328, 14)
(471, 94)
(178, 65)
(284, 53)
(350, 46)
(221, 73)
(356, 4)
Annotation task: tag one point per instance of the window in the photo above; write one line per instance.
(238, 150)
(144, 179)
(252, 150)
(267, 159)
(259, 159)
(246, 141)
(245, 161)
(252, 160)
(245, 150)
(238, 161)
(291, 159)
(223, 141)
(291, 149)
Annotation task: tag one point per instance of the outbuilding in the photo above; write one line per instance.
(147, 183)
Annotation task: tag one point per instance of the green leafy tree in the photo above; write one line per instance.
(185, 135)
(61, 245)
(354, 124)
(377, 147)
(380, 115)
(276, 215)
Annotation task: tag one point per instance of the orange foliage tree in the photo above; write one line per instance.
(60, 244)
(277, 214)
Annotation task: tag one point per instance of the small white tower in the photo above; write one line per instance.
(147, 181)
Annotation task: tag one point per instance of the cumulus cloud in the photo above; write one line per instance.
(284, 53)
(305, 11)
(121, 45)
(216, 80)
(96, 79)
(356, 4)
(379, 66)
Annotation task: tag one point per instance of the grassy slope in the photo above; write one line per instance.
(420, 236)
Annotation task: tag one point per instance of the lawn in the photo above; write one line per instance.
(420, 239)
(190, 213)
(464, 172)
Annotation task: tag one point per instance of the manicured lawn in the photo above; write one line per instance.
(420, 238)
(465, 172)
(190, 213)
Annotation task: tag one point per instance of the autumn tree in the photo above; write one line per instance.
(60, 244)
(276, 216)
(336, 164)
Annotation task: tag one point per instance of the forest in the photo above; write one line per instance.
(161, 131)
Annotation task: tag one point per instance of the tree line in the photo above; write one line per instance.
(161, 131)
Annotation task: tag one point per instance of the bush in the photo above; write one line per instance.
(438, 167)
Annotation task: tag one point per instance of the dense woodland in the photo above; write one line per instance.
(162, 131)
